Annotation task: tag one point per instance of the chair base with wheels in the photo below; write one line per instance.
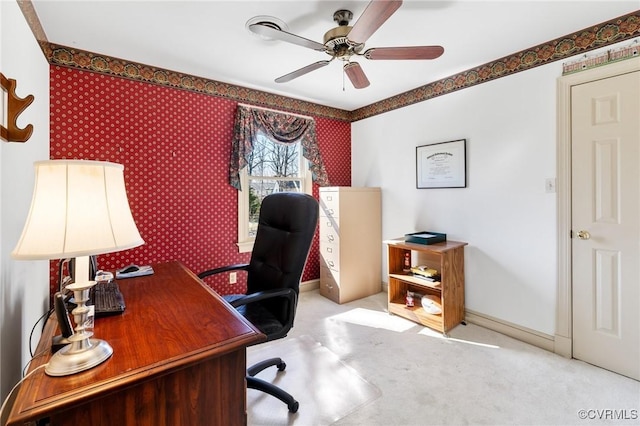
(266, 387)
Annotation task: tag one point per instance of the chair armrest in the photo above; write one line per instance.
(287, 293)
(237, 267)
(284, 314)
(267, 294)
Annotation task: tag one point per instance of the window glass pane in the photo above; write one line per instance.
(274, 159)
(272, 167)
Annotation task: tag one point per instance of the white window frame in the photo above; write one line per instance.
(245, 242)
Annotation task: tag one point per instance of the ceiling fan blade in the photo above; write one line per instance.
(406, 52)
(356, 75)
(302, 71)
(376, 13)
(271, 32)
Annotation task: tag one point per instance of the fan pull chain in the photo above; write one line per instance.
(343, 79)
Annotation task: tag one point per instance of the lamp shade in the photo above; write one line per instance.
(79, 208)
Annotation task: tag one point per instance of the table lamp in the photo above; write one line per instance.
(79, 209)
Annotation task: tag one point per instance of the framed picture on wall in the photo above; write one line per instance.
(442, 165)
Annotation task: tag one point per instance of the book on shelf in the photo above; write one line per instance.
(425, 278)
(425, 272)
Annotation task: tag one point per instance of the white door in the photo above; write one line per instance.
(605, 149)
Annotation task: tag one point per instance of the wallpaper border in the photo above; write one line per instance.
(616, 30)
(606, 33)
(94, 62)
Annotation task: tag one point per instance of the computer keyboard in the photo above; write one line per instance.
(106, 298)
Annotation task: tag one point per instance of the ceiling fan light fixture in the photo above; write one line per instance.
(337, 43)
(344, 41)
(337, 35)
(336, 39)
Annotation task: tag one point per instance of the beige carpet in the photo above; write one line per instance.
(325, 387)
(474, 377)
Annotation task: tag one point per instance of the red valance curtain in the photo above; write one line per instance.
(280, 127)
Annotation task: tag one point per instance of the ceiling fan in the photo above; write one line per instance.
(344, 42)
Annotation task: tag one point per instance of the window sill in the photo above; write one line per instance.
(245, 246)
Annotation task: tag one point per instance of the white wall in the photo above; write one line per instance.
(504, 213)
(24, 289)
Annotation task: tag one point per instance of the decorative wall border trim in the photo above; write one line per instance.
(88, 61)
(618, 29)
(613, 31)
(587, 62)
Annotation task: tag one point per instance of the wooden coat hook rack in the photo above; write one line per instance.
(14, 107)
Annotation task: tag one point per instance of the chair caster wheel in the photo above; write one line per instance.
(293, 407)
(281, 367)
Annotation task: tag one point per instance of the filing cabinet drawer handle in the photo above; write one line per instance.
(329, 250)
(330, 237)
(330, 263)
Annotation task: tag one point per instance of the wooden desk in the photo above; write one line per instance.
(179, 358)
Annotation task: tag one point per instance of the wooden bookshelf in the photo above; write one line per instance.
(448, 259)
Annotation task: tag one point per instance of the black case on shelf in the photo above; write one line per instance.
(425, 237)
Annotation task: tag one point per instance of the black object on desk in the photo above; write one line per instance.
(106, 299)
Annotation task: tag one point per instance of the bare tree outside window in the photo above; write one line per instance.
(273, 167)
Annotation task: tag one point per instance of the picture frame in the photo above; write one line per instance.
(442, 165)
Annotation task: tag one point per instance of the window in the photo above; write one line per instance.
(271, 151)
(272, 167)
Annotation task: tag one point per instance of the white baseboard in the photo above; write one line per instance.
(524, 334)
(310, 285)
(527, 335)
(563, 346)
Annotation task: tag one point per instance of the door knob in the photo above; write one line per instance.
(584, 235)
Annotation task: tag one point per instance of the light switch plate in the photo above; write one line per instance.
(550, 185)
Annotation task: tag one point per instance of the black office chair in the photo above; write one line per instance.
(286, 226)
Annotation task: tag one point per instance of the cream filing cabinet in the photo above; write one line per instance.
(350, 239)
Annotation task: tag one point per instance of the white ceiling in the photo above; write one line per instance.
(208, 38)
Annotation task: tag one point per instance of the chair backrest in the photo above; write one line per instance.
(286, 226)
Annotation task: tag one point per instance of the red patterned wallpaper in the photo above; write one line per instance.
(175, 147)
